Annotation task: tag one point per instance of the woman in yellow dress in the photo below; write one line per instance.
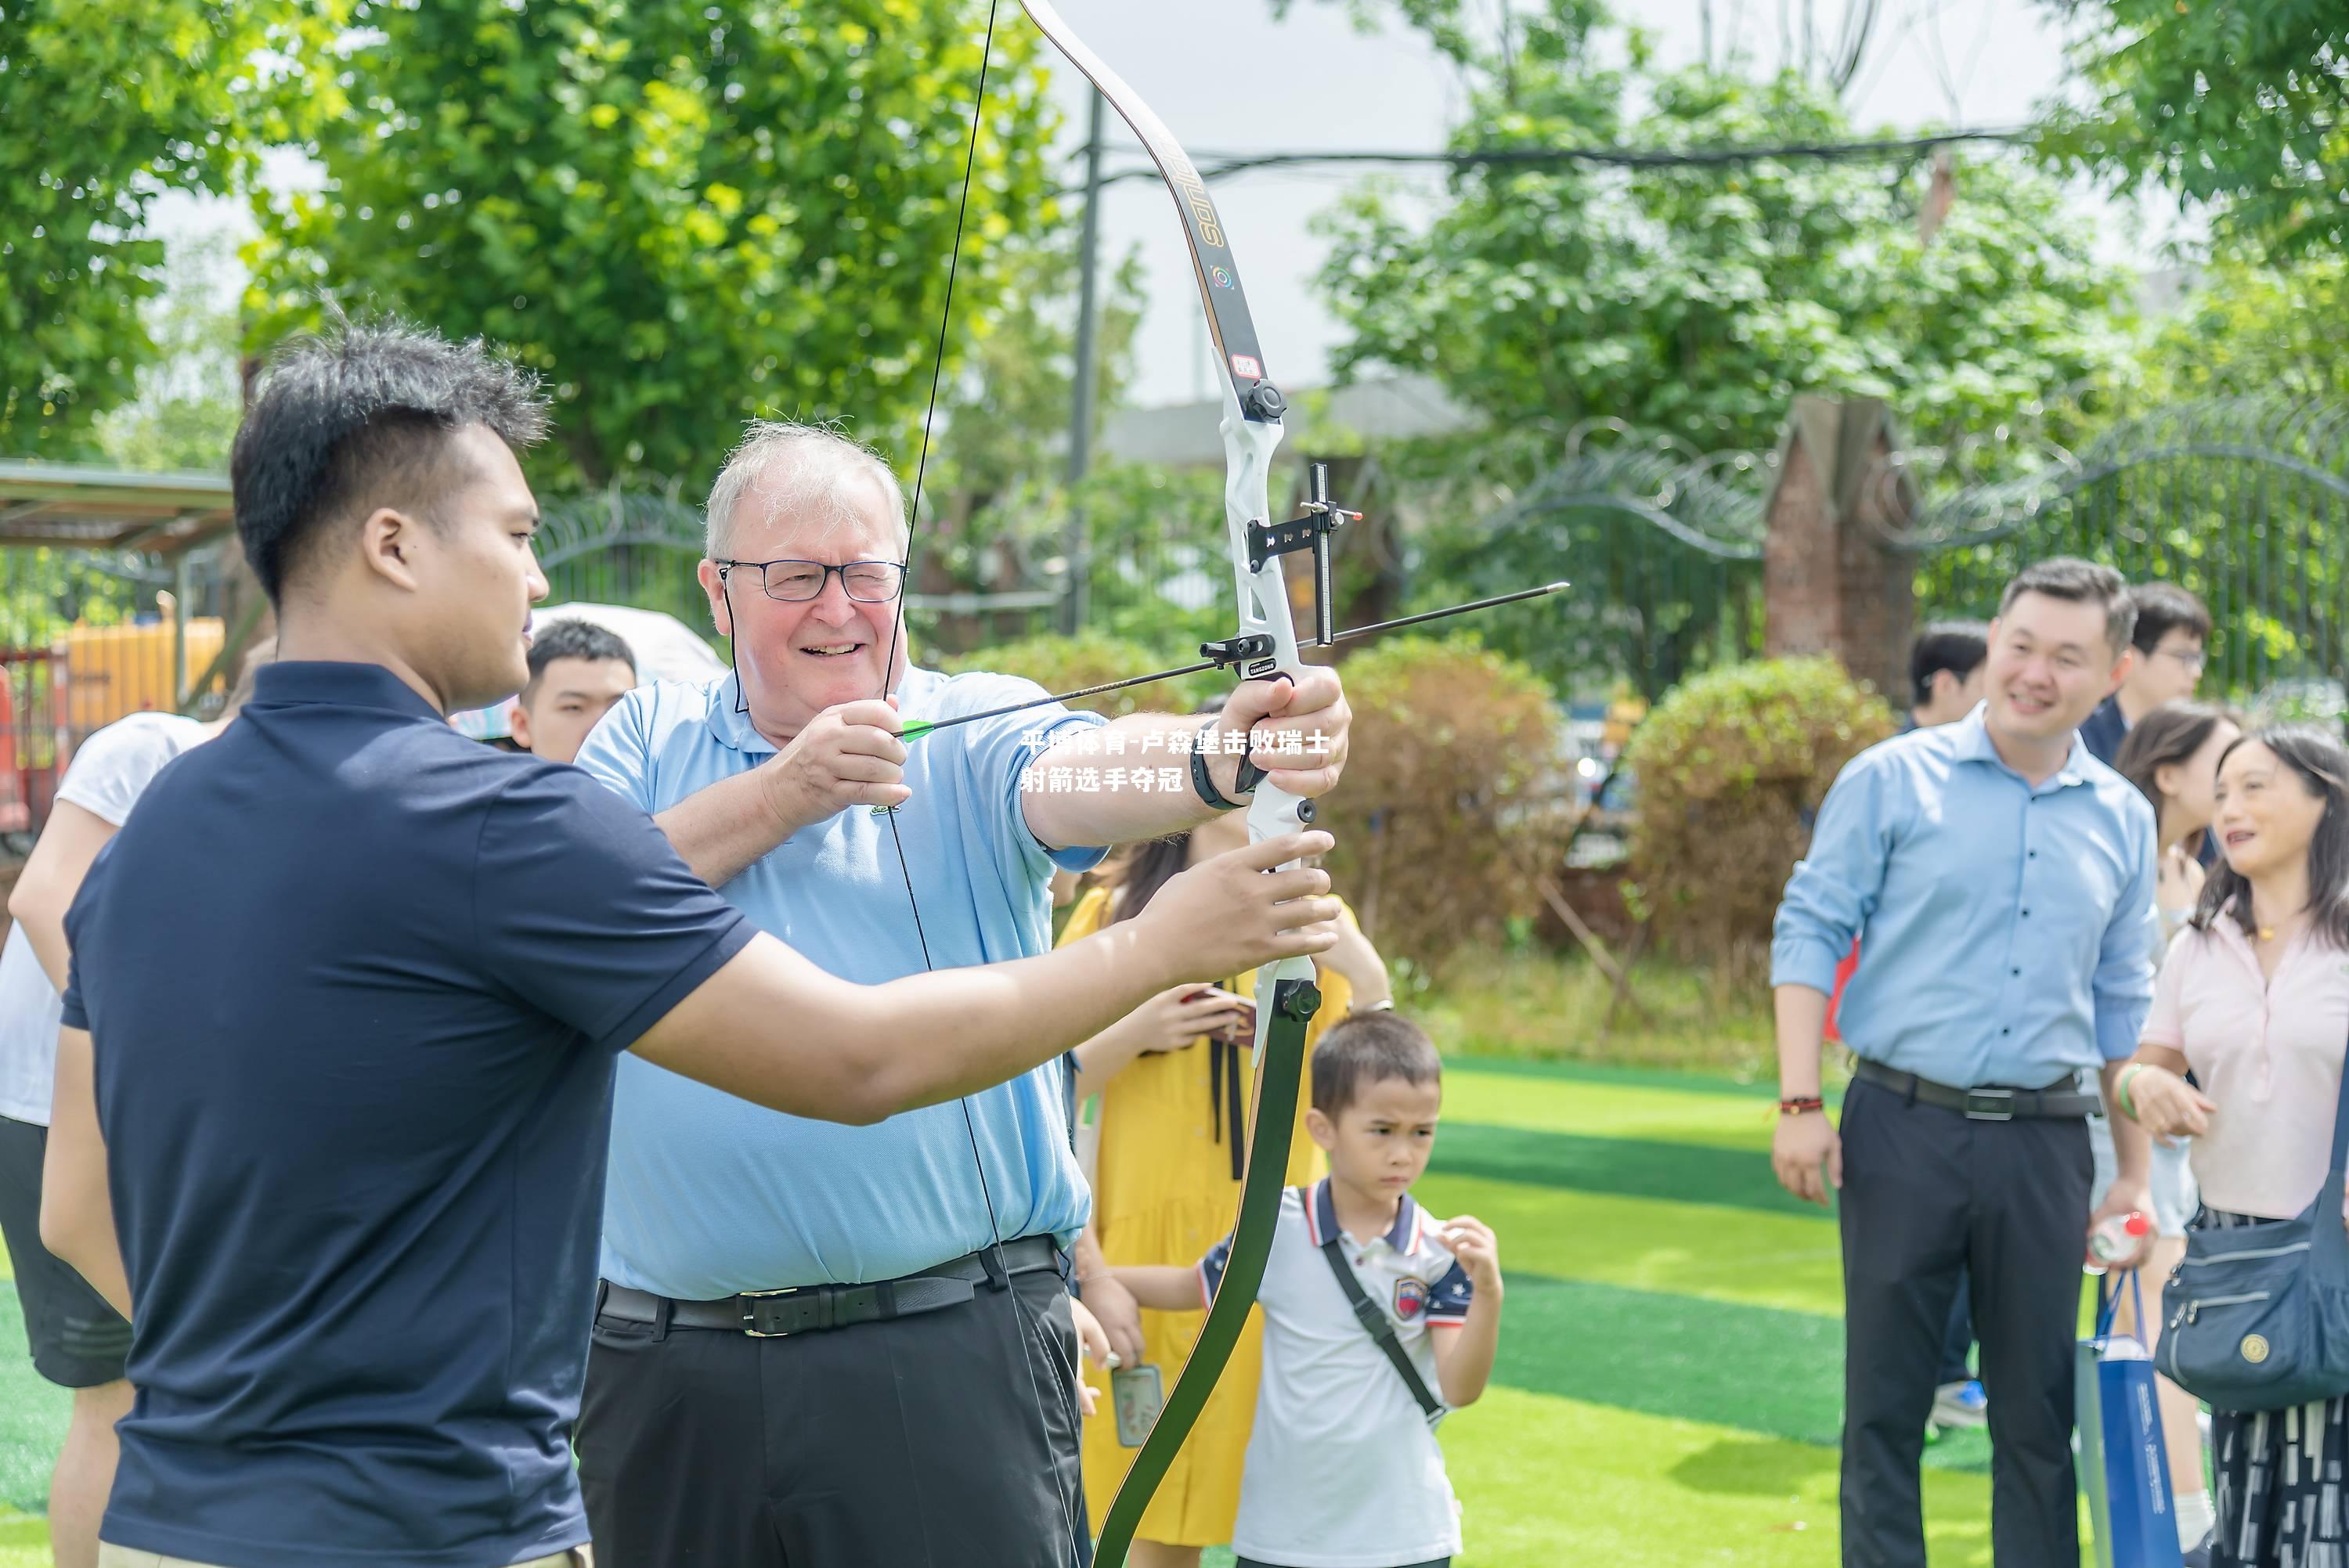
(1176, 1091)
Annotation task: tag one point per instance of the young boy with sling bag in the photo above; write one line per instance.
(1343, 1469)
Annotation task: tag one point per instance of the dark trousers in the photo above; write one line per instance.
(1958, 1342)
(916, 1442)
(1928, 1195)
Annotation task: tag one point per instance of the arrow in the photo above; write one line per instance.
(921, 728)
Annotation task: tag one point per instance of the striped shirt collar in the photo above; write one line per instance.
(1321, 1220)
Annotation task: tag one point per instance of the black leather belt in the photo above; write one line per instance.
(2062, 1100)
(813, 1308)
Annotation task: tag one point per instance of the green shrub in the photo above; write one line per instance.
(1452, 801)
(1059, 663)
(1731, 766)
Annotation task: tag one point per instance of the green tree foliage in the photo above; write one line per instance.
(189, 400)
(2248, 328)
(683, 215)
(1693, 302)
(2234, 506)
(1002, 511)
(1060, 663)
(1731, 766)
(1011, 404)
(109, 104)
(1454, 801)
(2240, 103)
(1697, 300)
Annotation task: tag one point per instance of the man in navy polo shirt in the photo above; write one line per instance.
(350, 1129)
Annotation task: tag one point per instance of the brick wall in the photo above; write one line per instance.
(1831, 585)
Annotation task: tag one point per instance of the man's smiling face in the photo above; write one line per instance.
(2051, 662)
(798, 657)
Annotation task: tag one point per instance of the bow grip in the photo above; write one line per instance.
(1250, 775)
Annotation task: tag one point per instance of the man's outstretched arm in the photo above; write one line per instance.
(773, 1029)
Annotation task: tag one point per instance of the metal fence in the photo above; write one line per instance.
(1661, 543)
(620, 548)
(2243, 501)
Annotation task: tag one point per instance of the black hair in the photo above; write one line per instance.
(1364, 1048)
(571, 638)
(2321, 763)
(2167, 737)
(1957, 646)
(2082, 583)
(2163, 608)
(355, 420)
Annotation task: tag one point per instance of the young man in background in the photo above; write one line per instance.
(577, 671)
(1945, 684)
(1945, 671)
(2172, 625)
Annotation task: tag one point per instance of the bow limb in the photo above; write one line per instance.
(1264, 648)
(1280, 1062)
(1293, 999)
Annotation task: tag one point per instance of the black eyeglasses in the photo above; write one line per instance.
(797, 582)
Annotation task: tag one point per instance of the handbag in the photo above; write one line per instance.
(2257, 1316)
(2124, 1463)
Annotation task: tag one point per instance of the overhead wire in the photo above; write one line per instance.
(1220, 166)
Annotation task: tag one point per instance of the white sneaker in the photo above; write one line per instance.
(1960, 1405)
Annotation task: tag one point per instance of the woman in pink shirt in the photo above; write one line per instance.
(2254, 998)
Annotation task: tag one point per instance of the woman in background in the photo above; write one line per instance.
(2172, 756)
(2254, 1001)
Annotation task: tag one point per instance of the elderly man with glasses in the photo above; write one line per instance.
(819, 1344)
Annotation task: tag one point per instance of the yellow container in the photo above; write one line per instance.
(110, 671)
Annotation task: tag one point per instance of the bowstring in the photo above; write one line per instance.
(904, 867)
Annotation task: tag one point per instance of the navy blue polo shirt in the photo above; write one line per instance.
(2104, 731)
(356, 985)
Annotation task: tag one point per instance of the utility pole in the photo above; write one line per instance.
(1077, 605)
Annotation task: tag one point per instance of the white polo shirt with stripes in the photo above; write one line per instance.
(1343, 1470)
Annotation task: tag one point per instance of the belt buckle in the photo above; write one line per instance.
(2000, 1106)
(750, 1312)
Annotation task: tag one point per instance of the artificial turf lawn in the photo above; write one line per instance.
(1669, 1386)
(32, 1426)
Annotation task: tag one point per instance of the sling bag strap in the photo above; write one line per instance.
(1376, 1323)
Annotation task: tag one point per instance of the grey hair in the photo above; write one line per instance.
(805, 469)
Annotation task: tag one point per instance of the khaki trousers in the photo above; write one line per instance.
(112, 1556)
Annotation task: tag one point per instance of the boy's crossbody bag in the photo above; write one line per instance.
(1378, 1326)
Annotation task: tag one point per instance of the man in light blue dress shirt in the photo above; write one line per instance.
(2000, 882)
(919, 1407)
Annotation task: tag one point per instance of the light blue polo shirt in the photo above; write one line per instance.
(709, 1194)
